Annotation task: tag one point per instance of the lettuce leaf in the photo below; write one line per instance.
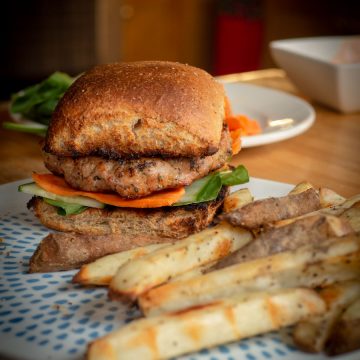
(38, 102)
(235, 177)
(208, 188)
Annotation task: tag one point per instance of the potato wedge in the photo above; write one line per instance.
(237, 199)
(160, 266)
(311, 335)
(265, 211)
(102, 270)
(291, 233)
(193, 273)
(304, 231)
(339, 209)
(167, 336)
(352, 215)
(301, 187)
(334, 260)
(335, 210)
(346, 334)
(329, 198)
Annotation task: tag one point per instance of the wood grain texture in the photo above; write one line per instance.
(328, 154)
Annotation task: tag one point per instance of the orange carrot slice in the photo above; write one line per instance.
(236, 122)
(227, 107)
(239, 125)
(236, 141)
(57, 185)
(249, 126)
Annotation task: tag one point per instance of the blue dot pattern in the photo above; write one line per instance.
(45, 316)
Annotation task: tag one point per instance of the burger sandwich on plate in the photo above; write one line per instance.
(138, 155)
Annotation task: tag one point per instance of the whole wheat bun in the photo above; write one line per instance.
(174, 222)
(146, 108)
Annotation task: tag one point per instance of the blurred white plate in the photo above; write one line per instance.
(45, 316)
(281, 115)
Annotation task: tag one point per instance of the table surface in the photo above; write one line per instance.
(328, 154)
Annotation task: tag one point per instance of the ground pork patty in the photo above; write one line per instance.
(167, 222)
(138, 177)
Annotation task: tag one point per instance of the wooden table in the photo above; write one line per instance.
(326, 155)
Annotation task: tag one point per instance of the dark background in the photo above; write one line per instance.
(39, 37)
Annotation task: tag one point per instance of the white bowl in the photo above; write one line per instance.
(327, 69)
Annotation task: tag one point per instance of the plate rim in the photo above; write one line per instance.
(283, 134)
(271, 185)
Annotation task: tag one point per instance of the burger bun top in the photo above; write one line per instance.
(137, 109)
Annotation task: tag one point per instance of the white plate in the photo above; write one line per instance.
(291, 114)
(45, 316)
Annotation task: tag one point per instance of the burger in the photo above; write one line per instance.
(137, 154)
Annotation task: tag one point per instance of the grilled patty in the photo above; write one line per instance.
(136, 177)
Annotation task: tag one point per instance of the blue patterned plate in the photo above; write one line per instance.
(45, 316)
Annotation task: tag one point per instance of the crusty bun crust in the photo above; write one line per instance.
(146, 108)
(67, 251)
(168, 222)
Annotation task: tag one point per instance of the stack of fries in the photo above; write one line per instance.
(267, 264)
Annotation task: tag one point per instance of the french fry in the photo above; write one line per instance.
(311, 335)
(334, 260)
(346, 334)
(265, 211)
(339, 209)
(102, 270)
(193, 273)
(352, 215)
(160, 266)
(329, 198)
(301, 187)
(291, 233)
(307, 230)
(335, 210)
(167, 336)
(237, 199)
